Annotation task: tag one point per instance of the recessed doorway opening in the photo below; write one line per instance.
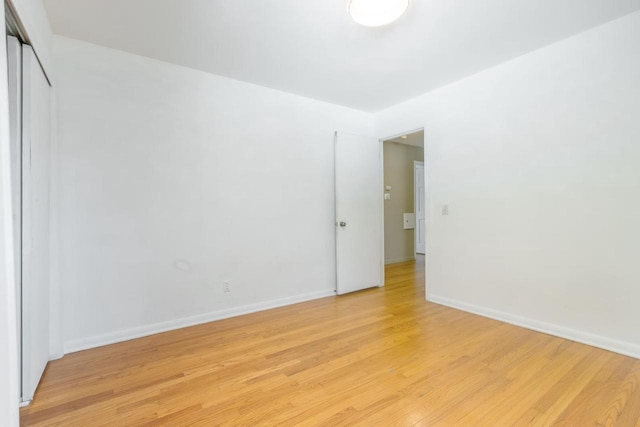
(404, 198)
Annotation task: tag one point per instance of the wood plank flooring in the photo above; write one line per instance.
(377, 357)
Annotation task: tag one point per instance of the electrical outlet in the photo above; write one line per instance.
(226, 286)
(445, 209)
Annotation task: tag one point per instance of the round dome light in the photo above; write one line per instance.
(375, 13)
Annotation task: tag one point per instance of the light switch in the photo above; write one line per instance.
(388, 188)
(445, 209)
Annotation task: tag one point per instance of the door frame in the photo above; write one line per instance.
(427, 191)
(14, 76)
(415, 206)
(10, 389)
(381, 207)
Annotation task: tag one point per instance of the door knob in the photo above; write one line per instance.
(343, 224)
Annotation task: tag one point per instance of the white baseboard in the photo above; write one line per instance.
(143, 331)
(622, 347)
(395, 260)
(56, 356)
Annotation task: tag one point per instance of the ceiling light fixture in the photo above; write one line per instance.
(375, 13)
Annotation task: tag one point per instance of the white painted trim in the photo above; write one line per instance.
(396, 260)
(335, 211)
(398, 135)
(381, 208)
(426, 159)
(14, 60)
(622, 347)
(34, 30)
(156, 328)
(9, 381)
(417, 163)
(56, 344)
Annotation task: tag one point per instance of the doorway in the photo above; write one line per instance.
(404, 198)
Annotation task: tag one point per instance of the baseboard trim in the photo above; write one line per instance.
(143, 331)
(616, 346)
(55, 356)
(396, 260)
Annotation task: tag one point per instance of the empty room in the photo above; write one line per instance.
(336, 212)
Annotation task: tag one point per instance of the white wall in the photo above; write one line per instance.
(9, 391)
(171, 180)
(539, 161)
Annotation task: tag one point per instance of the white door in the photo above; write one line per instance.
(35, 222)
(418, 198)
(359, 198)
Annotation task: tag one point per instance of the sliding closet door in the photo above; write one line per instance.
(14, 74)
(35, 222)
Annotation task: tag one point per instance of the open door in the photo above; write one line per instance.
(359, 207)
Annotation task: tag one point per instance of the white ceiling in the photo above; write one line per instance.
(312, 48)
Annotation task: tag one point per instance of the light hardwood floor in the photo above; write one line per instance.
(377, 357)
